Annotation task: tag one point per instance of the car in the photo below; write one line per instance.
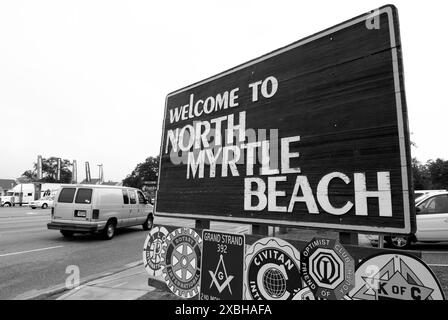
(99, 209)
(432, 221)
(419, 194)
(44, 203)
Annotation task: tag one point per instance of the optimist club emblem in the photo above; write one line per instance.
(389, 276)
(152, 251)
(327, 269)
(181, 254)
(272, 270)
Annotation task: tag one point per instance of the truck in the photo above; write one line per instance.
(24, 193)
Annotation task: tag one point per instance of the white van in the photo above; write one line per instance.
(81, 208)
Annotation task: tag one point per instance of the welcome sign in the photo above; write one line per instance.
(314, 134)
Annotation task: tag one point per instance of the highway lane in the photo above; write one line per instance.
(34, 258)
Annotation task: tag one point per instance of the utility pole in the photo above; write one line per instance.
(39, 167)
(100, 173)
(88, 179)
(58, 172)
(38, 185)
(74, 172)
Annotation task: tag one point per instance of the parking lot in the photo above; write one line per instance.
(33, 258)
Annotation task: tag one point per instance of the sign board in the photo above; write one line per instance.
(390, 276)
(152, 250)
(272, 271)
(327, 269)
(314, 134)
(181, 260)
(222, 266)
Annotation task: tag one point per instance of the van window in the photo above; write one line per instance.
(30, 194)
(132, 197)
(66, 195)
(84, 196)
(141, 198)
(125, 197)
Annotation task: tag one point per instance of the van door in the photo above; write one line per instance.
(432, 219)
(133, 205)
(141, 216)
(82, 209)
(126, 209)
(63, 207)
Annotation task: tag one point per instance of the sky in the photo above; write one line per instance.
(87, 80)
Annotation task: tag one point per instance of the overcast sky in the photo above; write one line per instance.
(87, 80)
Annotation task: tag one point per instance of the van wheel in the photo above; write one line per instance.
(7, 204)
(149, 223)
(33, 207)
(109, 230)
(67, 234)
(44, 206)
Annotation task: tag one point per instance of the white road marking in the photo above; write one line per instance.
(28, 251)
(23, 230)
(437, 265)
(24, 219)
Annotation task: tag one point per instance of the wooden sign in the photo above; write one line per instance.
(314, 134)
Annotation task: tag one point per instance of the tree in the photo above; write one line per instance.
(49, 171)
(422, 179)
(30, 175)
(438, 172)
(143, 172)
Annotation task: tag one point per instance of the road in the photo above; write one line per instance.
(33, 258)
